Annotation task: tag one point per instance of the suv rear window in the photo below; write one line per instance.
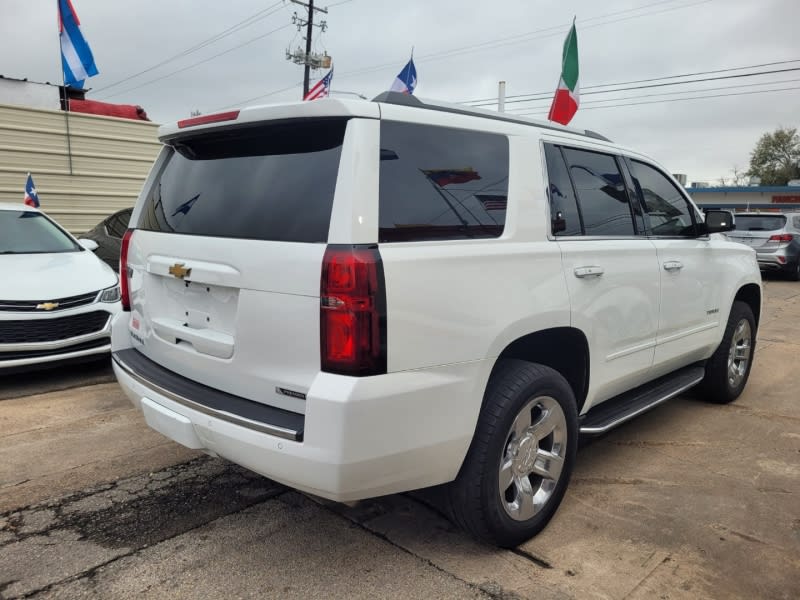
(760, 222)
(438, 183)
(269, 182)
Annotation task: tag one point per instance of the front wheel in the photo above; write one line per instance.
(519, 464)
(728, 368)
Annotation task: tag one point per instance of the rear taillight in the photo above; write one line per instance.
(124, 272)
(353, 311)
(781, 237)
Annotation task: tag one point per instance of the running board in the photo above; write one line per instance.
(628, 405)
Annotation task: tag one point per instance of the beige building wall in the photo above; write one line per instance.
(110, 160)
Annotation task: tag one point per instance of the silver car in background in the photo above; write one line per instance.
(775, 237)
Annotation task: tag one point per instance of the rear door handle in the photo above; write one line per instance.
(588, 272)
(673, 265)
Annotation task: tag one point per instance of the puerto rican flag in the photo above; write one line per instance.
(76, 56)
(321, 89)
(31, 195)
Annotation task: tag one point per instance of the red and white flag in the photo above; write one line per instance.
(567, 97)
(321, 89)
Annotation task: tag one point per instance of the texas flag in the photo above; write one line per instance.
(76, 56)
(31, 195)
(406, 80)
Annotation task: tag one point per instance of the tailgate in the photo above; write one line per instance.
(226, 258)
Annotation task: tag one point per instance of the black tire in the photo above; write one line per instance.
(793, 274)
(474, 498)
(717, 386)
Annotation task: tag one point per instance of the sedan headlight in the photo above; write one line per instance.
(110, 294)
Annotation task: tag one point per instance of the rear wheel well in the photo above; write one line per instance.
(564, 349)
(750, 294)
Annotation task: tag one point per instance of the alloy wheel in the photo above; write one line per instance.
(739, 353)
(533, 458)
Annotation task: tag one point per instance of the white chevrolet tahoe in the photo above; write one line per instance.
(361, 298)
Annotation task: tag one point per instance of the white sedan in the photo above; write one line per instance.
(56, 297)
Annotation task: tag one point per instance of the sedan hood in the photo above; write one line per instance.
(52, 276)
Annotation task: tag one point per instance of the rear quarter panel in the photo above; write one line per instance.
(459, 301)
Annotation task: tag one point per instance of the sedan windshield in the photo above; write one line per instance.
(28, 232)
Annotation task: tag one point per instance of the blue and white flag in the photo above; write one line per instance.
(76, 56)
(31, 195)
(406, 81)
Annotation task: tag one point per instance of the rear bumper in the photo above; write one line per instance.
(359, 437)
(777, 260)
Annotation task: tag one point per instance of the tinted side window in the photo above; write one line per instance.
(602, 195)
(441, 184)
(563, 206)
(666, 210)
(267, 182)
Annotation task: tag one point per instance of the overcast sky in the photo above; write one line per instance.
(462, 48)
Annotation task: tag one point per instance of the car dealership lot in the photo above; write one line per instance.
(690, 500)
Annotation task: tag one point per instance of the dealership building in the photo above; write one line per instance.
(746, 198)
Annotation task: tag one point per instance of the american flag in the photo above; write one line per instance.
(492, 202)
(321, 89)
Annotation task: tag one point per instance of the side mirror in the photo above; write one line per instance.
(88, 244)
(718, 221)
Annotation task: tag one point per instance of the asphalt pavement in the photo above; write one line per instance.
(691, 500)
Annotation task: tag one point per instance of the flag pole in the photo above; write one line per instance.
(65, 99)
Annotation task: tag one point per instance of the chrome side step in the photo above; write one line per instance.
(628, 405)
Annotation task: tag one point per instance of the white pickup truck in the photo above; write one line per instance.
(362, 298)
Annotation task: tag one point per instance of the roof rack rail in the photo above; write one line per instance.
(408, 100)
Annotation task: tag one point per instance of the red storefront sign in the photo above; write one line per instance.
(786, 199)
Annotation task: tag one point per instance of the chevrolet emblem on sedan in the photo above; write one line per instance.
(47, 306)
(179, 271)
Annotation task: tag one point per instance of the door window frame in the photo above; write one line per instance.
(693, 213)
(638, 227)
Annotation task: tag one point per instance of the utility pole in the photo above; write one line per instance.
(309, 29)
(307, 59)
(501, 96)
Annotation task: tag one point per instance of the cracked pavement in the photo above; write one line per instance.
(690, 500)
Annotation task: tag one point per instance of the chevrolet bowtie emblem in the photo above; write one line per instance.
(47, 306)
(179, 271)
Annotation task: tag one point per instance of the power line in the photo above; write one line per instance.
(539, 113)
(519, 37)
(670, 83)
(200, 62)
(255, 17)
(244, 102)
(549, 93)
(726, 87)
(501, 41)
(529, 36)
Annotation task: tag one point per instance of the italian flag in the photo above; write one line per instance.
(567, 96)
